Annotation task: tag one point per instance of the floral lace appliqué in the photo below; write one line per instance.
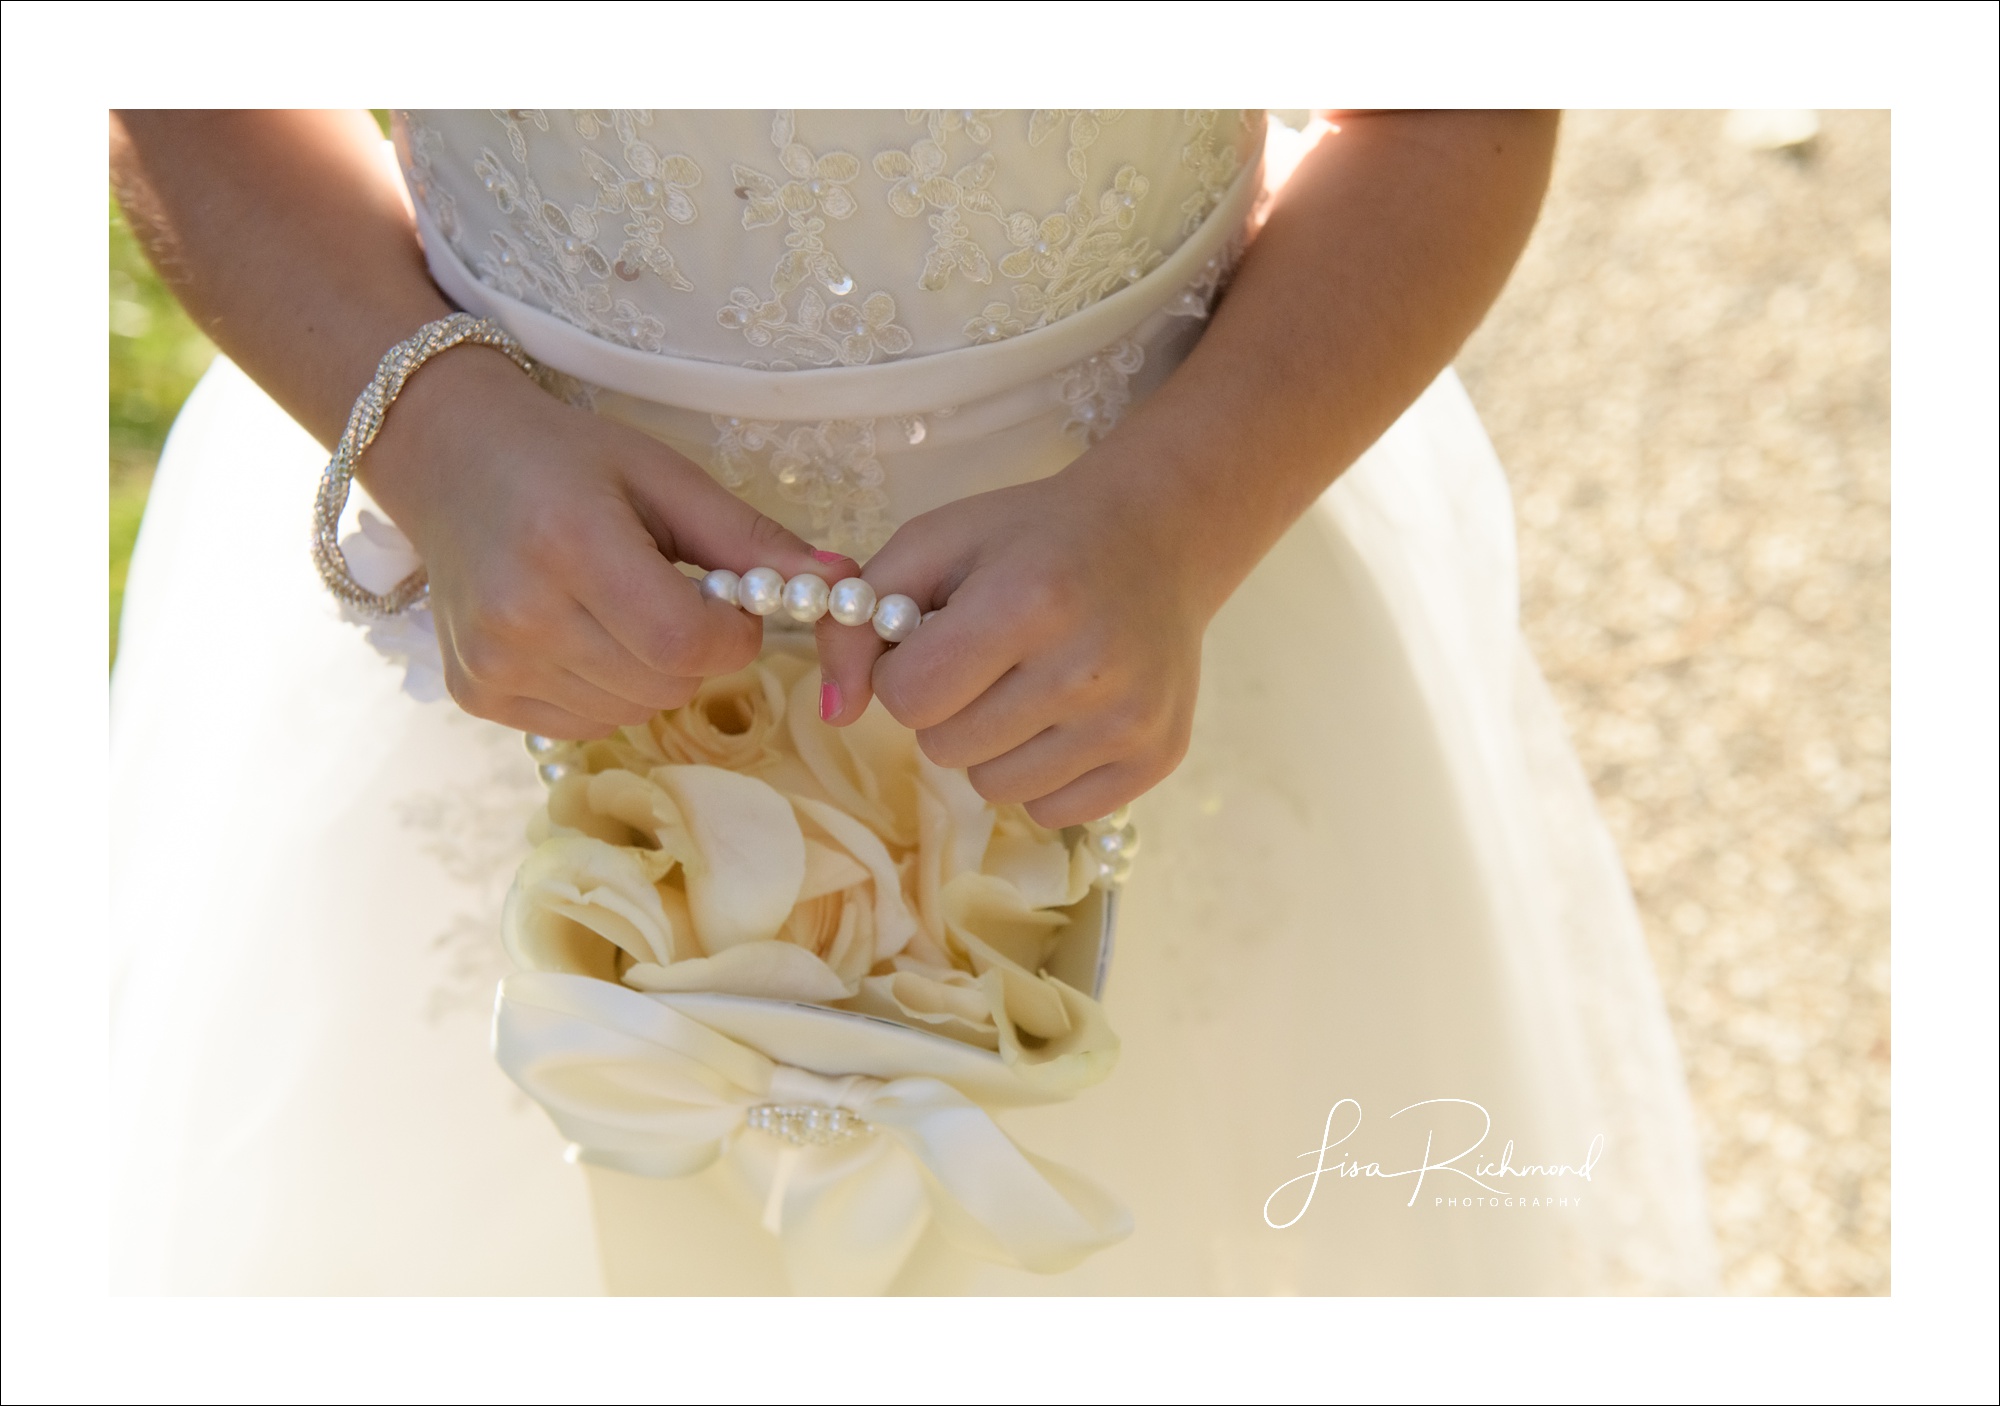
(833, 468)
(1213, 160)
(1197, 298)
(1059, 261)
(1098, 388)
(830, 467)
(815, 189)
(920, 184)
(588, 215)
(553, 257)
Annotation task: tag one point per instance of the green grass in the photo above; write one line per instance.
(157, 355)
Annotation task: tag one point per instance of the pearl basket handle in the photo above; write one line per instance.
(806, 597)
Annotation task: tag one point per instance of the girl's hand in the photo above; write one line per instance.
(550, 535)
(1062, 664)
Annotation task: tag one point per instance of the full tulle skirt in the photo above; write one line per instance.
(1388, 1021)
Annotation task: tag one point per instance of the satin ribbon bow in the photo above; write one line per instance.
(642, 1088)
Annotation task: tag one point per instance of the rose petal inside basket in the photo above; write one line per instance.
(838, 1042)
(835, 1042)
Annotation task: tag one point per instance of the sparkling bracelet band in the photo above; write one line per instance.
(806, 597)
(364, 422)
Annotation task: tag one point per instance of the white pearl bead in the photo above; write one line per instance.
(761, 591)
(720, 585)
(1112, 844)
(896, 618)
(805, 597)
(851, 601)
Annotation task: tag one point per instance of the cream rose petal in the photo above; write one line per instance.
(629, 749)
(674, 903)
(926, 951)
(787, 774)
(749, 856)
(775, 971)
(617, 807)
(1030, 1001)
(1084, 1054)
(955, 824)
(1036, 861)
(974, 1010)
(577, 901)
(852, 951)
(568, 812)
(867, 769)
(887, 751)
(828, 870)
(733, 721)
(787, 668)
(1001, 916)
(996, 930)
(894, 923)
(646, 807)
(950, 1003)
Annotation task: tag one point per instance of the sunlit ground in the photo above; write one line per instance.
(156, 357)
(1688, 380)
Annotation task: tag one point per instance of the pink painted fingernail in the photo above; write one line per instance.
(829, 700)
(829, 558)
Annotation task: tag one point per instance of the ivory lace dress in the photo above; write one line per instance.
(1377, 886)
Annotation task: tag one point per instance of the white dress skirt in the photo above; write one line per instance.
(1376, 922)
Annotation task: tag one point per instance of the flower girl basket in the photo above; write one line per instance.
(746, 935)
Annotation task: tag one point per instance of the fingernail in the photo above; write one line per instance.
(829, 700)
(828, 558)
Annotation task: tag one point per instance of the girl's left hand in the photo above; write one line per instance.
(1061, 666)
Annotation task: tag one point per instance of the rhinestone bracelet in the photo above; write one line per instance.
(364, 422)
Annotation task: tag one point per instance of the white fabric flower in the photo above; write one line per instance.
(379, 556)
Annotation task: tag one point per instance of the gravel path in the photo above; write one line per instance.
(1688, 379)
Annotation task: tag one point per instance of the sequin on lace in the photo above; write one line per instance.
(607, 262)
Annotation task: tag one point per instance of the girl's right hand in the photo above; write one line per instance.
(550, 535)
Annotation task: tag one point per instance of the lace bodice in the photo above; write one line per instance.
(848, 317)
(795, 240)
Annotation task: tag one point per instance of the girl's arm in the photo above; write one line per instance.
(549, 534)
(1064, 672)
